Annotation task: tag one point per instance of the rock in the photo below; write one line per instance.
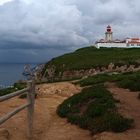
(84, 77)
(137, 69)
(98, 70)
(103, 68)
(111, 66)
(58, 91)
(131, 68)
(117, 68)
(123, 68)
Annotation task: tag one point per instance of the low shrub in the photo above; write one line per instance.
(19, 86)
(102, 78)
(16, 87)
(131, 82)
(99, 107)
(94, 109)
(118, 123)
(110, 122)
(127, 80)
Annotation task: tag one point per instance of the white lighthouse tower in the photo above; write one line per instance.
(109, 34)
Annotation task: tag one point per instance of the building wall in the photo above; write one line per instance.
(117, 45)
(111, 45)
(109, 36)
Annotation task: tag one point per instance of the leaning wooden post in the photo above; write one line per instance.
(30, 109)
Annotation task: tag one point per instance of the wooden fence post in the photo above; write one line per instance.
(30, 109)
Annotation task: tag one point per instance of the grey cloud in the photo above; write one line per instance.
(59, 22)
(41, 23)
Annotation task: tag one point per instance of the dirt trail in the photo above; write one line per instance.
(47, 125)
(60, 129)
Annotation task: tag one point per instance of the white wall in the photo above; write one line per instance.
(111, 45)
(109, 36)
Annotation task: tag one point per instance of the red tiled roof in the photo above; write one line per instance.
(134, 38)
(134, 42)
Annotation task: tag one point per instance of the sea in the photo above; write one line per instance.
(11, 73)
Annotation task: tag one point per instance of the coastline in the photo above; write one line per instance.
(11, 73)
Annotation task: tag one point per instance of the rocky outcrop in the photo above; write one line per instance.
(70, 74)
(66, 89)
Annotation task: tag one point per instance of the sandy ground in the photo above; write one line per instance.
(48, 126)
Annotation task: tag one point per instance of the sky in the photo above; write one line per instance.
(38, 30)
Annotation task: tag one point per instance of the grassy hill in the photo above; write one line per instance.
(88, 57)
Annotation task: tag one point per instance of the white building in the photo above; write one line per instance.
(108, 42)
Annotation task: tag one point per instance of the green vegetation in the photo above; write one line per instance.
(16, 87)
(94, 109)
(127, 80)
(131, 82)
(90, 57)
(100, 79)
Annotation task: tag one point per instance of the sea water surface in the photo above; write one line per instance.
(11, 73)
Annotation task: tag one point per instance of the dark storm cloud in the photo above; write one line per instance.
(35, 28)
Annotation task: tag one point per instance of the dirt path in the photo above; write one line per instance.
(60, 129)
(130, 107)
(47, 125)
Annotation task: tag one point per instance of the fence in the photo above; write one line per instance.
(30, 91)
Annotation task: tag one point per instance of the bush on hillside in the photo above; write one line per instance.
(131, 82)
(16, 87)
(94, 109)
(126, 80)
(97, 79)
(110, 122)
(101, 78)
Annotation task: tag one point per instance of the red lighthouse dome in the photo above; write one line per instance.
(109, 29)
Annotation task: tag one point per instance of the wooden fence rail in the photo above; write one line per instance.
(30, 91)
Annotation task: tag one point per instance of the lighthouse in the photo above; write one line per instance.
(108, 42)
(109, 34)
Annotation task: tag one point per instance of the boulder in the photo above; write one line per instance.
(111, 66)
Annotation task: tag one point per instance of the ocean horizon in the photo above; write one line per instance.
(11, 73)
